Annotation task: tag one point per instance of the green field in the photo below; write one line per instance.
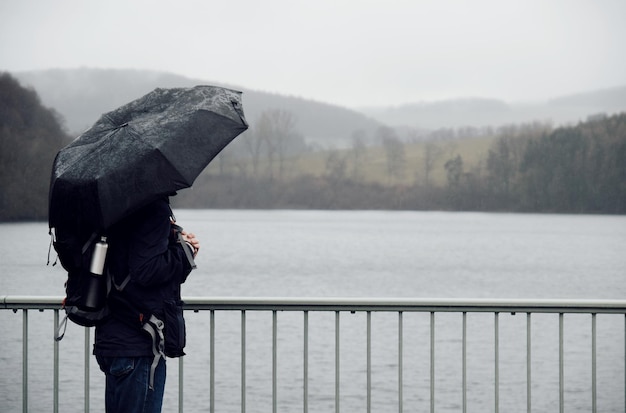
(373, 167)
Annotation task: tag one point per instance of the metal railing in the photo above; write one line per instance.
(401, 306)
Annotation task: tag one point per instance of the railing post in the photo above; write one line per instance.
(369, 361)
(593, 363)
(400, 362)
(528, 363)
(432, 362)
(306, 362)
(25, 361)
(337, 363)
(464, 361)
(55, 383)
(496, 328)
(274, 362)
(243, 361)
(561, 369)
(212, 363)
(180, 385)
(87, 362)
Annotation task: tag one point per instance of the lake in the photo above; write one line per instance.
(358, 254)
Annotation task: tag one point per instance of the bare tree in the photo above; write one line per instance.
(358, 154)
(432, 153)
(277, 129)
(253, 146)
(263, 137)
(336, 166)
(394, 151)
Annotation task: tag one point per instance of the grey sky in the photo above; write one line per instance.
(352, 53)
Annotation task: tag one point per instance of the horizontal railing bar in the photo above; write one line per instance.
(362, 304)
(405, 304)
(34, 302)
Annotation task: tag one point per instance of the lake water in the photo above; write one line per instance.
(358, 254)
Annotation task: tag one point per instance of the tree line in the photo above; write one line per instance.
(30, 137)
(527, 168)
(575, 169)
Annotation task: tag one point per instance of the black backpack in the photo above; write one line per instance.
(88, 286)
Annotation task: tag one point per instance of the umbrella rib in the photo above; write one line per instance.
(181, 178)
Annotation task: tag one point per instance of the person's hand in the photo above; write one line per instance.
(190, 238)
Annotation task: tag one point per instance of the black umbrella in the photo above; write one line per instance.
(144, 150)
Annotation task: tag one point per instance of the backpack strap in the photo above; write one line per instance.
(120, 299)
(58, 335)
(118, 287)
(90, 241)
(172, 216)
(154, 327)
(50, 248)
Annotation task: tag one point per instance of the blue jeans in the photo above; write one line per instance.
(127, 384)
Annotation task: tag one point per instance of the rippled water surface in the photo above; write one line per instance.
(357, 254)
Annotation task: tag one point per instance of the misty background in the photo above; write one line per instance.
(487, 105)
(352, 54)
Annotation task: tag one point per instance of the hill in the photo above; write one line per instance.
(480, 112)
(82, 95)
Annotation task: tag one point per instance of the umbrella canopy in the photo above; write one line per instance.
(146, 149)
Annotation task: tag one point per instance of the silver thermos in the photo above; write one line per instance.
(96, 292)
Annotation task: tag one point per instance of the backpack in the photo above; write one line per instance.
(88, 285)
(91, 289)
(88, 294)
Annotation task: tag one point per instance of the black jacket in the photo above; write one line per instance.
(143, 246)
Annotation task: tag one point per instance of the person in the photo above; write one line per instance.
(147, 264)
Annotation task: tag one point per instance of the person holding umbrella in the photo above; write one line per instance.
(144, 245)
(115, 181)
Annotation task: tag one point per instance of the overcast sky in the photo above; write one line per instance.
(352, 53)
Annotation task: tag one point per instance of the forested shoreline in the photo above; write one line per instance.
(30, 137)
(574, 169)
(526, 168)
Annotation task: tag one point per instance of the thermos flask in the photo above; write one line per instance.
(96, 292)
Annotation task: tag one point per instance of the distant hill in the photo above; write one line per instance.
(82, 95)
(478, 112)
(444, 114)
